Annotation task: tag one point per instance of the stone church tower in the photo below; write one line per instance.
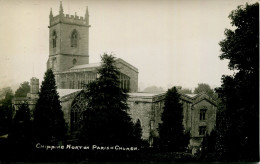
(68, 40)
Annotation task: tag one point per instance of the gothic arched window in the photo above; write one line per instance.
(74, 38)
(54, 39)
(78, 106)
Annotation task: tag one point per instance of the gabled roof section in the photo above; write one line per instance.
(196, 98)
(119, 60)
(145, 94)
(65, 92)
(92, 65)
(97, 65)
(191, 95)
(203, 96)
(146, 97)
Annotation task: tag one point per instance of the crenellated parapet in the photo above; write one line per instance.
(69, 19)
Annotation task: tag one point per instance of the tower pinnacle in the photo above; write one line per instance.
(86, 14)
(51, 15)
(61, 8)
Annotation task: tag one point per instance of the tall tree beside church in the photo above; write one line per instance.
(23, 89)
(238, 128)
(106, 121)
(171, 130)
(138, 133)
(49, 123)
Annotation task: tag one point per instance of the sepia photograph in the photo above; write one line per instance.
(129, 81)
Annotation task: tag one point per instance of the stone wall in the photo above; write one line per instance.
(142, 111)
(210, 120)
(129, 71)
(147, 108)
(66, 102)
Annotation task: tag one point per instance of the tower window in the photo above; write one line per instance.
(74, 39)
(54, 39)
(202, 114)
(74, 61)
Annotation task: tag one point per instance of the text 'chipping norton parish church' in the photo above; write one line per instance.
(69, 60)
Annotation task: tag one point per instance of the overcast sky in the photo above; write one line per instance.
(170, 42)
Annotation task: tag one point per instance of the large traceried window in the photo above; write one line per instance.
(74, 38)
(54, 39)
(78, 106)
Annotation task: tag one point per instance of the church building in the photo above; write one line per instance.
(69, 54)
(69, 60)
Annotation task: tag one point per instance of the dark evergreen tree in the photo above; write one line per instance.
(21, 133)
(23, 89)
(106, 121)
(138, 133)
(238, 128)
(208, 147)
(49, 123)
(171, 130)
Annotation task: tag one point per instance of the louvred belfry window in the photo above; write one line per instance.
(74, 39)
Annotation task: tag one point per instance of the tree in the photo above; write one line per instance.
(21, 134)
(185, 91)
(202, 87)
(106, 121)
(238, 128)
(23, 89)
(4, 92)
(138, 132)
(6, 110)
(153, 89)
(171, 130)
(49, 123)
(207, 148)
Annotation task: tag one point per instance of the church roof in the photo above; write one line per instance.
(65, 92)
(146, 97)
(144, 94)
(91, 65)
(191, 95)
(96, 65)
